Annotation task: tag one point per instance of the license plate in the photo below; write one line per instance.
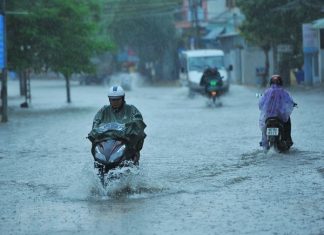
(272, 131)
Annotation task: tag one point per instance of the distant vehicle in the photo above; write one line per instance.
(193, 64)
(212, 82)
(124, 79)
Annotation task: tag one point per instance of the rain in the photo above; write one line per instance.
(212, 178)
(201, 170)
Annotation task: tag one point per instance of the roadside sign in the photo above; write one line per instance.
(310, 43)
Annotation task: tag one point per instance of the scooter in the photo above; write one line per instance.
(275, 135)
(214, 90)
(110, 152)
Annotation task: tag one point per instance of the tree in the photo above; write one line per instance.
(72, 37)
(148, 28)
(61, 36)
(21, 35)
(269, 23)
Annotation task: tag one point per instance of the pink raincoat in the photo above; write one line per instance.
(275, 102)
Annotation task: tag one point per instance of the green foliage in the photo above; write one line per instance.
(56, 34)
(272, 22)
(143, 23)
(261, 24)
(147, 26)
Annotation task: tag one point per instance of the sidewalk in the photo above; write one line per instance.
(301, 87)
(52, 94)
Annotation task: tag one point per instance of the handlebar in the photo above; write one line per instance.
(258, 95)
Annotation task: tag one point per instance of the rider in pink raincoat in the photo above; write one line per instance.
(276, 102)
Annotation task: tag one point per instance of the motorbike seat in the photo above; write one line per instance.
(273, 122)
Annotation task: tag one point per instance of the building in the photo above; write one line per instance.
(313, 43)
(214, 24)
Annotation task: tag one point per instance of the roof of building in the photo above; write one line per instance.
(318, 24)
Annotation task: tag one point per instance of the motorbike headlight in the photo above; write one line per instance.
(99, 155)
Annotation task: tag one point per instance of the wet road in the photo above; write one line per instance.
(201, 169)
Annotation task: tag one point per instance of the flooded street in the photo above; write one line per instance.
(201, 169)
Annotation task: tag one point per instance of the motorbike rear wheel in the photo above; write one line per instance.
(279, 146)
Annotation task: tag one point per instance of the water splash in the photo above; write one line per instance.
(125, 182)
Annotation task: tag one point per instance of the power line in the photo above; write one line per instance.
(141, 10)
(145, 5)
(148, 14)
(299, 3)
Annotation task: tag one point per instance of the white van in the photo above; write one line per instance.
(194, 62)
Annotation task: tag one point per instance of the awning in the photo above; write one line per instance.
(318, 24)
(213, 34)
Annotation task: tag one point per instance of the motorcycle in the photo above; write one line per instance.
(213, 90)
(275, 135)
(110, 151)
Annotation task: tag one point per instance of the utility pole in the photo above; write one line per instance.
(3, 64)
(195, 22)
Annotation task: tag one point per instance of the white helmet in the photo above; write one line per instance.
(116, 92)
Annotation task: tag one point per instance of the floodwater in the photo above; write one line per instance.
(201, 169)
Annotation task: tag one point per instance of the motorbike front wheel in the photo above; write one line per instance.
(214, 99)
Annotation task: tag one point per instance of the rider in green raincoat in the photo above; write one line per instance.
(120, 112)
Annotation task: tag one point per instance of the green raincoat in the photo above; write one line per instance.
(129, 115)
